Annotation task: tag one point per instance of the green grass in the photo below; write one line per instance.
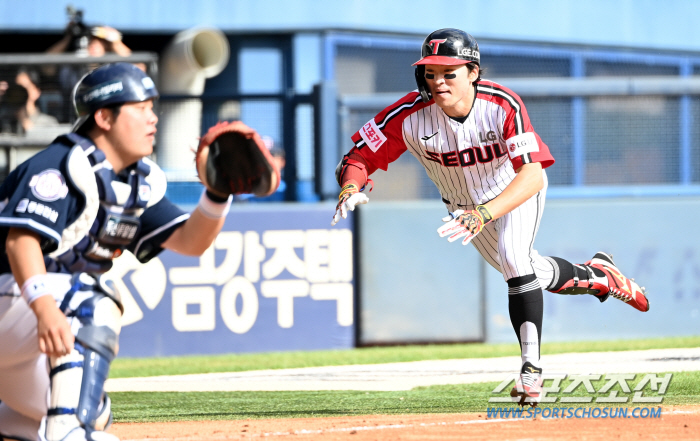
(141, 367)
(190, 406)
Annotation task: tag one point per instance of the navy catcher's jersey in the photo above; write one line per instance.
(84, 213)
(470, 162)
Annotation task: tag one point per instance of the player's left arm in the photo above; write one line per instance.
(528, 155)
(196, 234)
(526, 184)
(468, 224)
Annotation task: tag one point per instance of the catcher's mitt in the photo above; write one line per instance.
(232, 159)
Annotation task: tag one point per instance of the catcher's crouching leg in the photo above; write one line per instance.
(79, 408)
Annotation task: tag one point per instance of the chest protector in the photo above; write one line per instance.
(122, 199)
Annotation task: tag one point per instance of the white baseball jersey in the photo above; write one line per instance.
(470, 162)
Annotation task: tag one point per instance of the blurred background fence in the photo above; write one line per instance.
(617, 121)
(35, 99)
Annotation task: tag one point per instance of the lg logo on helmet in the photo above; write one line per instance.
(435, 43)
(467, 52)
(463, 52)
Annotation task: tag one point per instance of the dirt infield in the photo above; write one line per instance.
(675, 423)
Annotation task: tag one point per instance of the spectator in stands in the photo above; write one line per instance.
(88, 41)
(19, 111)
(101, 40)
(29, 116)
(12, 99)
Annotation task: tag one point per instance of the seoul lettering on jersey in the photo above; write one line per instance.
(468, 157)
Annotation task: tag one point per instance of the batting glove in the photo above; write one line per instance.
(465, 224)
(349, 197)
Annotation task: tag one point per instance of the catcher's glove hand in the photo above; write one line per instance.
(461, 223)
(232, 159)
(349, 197)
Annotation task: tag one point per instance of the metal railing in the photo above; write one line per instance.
(18, 145)
(618, 121)
(586, 103)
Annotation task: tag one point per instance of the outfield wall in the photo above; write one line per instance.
(278, 278)
(655, 240)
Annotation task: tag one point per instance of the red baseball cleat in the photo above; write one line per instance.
(620, 286)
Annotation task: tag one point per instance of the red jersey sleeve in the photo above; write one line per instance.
(522, 143)
(380, 141)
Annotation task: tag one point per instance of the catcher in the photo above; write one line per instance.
(65, 214)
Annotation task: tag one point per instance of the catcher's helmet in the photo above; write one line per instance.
(449, 47)
(113, 83)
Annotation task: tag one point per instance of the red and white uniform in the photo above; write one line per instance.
(471, 163)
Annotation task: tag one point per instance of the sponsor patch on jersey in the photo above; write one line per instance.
(372, 135)
(49, 185)
(34, 207)
(522, 144)
(119, 230)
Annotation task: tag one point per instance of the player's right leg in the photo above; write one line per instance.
(76, 409)
(24, 382)
(79, 409)
(503, 244)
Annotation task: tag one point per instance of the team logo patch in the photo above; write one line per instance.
(435, 44)
(372, 135)
(49, 185)
(522, 144)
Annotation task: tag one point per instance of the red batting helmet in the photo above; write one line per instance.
(449, 47)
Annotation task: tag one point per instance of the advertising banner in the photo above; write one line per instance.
(276, 278)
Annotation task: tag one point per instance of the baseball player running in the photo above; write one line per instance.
(476, 142)
(64, 215)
